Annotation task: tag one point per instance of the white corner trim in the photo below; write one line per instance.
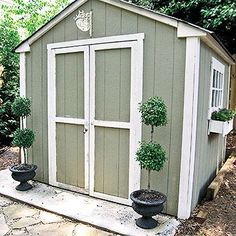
(22, 74)
(23, 87)
(228, 87)
(23, 48)
(189, 127)
(185, 30)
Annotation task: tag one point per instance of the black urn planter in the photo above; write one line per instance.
(147, 206)
(22, 174)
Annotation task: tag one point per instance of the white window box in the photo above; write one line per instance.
(220, 127)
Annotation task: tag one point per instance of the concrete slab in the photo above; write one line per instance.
(103, 214)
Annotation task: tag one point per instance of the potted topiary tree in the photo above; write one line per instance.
(222, 121)
(23, 138)
(151, 156)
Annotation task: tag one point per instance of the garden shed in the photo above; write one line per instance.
(87, 70)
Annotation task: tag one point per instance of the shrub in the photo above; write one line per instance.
(223, 115)
(151, 156)
(154, 112)
(23, 138)
(21, 107)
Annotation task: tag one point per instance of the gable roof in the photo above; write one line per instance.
(184, 29)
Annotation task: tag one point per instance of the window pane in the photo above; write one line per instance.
(214, 78)
(212, 99)
(221, 80)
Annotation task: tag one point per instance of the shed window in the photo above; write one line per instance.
(217, 86)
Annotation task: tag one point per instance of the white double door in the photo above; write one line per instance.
(94, 125)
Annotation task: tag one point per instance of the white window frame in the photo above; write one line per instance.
(220, 68)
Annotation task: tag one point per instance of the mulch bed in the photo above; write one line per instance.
(221, 218)
(8, 157)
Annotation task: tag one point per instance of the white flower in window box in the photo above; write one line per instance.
(222, 121)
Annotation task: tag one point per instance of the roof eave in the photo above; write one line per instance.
(217, 46)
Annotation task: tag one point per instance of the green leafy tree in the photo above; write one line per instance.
(9, 78)
(31, 15)
(216, 15)
(19, 20)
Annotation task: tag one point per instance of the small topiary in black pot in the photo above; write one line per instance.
(151, 156)
(23, 138)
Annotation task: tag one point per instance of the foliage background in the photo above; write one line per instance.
(18, 21)
(216, 15)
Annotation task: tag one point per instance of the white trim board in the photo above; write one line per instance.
(189, 127)
(23, 88)
(52, 119)
(102, 40)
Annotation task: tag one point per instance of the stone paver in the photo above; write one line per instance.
(81, 229)
(17, 219)
(4, 202)
(3, 226)
(16, 211)
(48, 218)
(64, 229)
(25, 222)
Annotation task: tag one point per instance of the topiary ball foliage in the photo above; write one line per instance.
(151, 156)
(21, 107)
(154, 112)
(23, 138)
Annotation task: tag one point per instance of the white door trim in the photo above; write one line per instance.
(134, 125)
(133, 41)
(52, 119)
(102, 40)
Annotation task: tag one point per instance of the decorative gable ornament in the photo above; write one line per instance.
(84, 21)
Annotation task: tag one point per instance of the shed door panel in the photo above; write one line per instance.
(70, 153)
(70, 85)
(112, 161)
(112, 86)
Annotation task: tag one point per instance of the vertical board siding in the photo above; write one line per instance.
(112, 100)
(112, 103)
(70, 85)
(70, 154)
(164, 57)
(209, 148)
(112, 161)
(37, 108)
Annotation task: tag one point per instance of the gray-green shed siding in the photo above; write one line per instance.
(209, 148)
(164, 68)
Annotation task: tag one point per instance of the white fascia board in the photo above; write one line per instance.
(56, 20)
(216, 47)
(23, 48)
(186, 30)
(189, 127)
